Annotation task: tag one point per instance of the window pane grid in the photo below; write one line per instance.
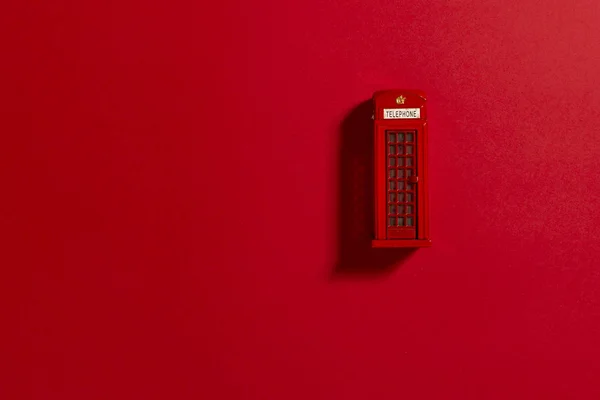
(401, 203)
(401, 207)
(400, 173)
(400, 161)
(401, 137)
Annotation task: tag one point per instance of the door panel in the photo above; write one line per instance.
(401, 202)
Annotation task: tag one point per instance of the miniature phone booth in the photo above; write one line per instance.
(401, 193)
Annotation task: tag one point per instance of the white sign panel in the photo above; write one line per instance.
(401, 113)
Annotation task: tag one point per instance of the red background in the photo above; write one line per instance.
(185, 189)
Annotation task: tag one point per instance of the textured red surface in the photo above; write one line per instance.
(183, 188)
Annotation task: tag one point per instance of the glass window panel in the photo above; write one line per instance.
(392, 161)
(409, 197)
(392, 173)
(400, 185)
(392, 197)
(408, 173)
(400, 209)
(401, 173)
(400, 197)
(391, 137)
(392, 150)
(400, 221)
(400, 137)
(400, 149)
(409, 161)
(409, 149)
(392, 221)
(400, 161)
(409, 221)
(409, 209)
(392, 209)
(392, 185)
(409, 137)
(409, 186)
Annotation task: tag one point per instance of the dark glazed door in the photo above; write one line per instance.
(401, 184)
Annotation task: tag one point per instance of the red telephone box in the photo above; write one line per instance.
(401, 193)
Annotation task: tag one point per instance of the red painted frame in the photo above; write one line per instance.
(416, 235)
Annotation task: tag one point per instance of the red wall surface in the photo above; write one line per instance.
(185, 205)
